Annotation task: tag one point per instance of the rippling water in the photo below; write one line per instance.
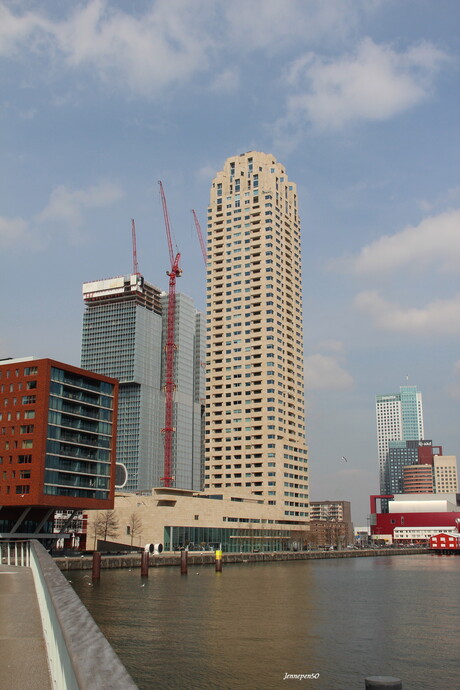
(248, 627)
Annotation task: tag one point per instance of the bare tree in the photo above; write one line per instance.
(134, 526)
(105, 525)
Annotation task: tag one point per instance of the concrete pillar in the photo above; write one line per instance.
(183, 562)
(145, 564)
(96, 575)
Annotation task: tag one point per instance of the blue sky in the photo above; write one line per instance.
(359, 99)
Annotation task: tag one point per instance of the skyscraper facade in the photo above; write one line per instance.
(123, 333)
(399, 418)
(255, 412)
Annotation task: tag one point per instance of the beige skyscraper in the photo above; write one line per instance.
(255, 411)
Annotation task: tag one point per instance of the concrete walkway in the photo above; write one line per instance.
(23, 658)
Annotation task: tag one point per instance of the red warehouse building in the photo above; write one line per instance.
(57, 443)
(414, 518)
(443, 541)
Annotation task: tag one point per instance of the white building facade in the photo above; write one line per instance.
(255, 410)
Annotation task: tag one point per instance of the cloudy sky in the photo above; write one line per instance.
(100, 99)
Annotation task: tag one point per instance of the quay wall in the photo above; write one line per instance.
(208, 558)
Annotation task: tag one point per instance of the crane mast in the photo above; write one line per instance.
(170, 349)
(133, 235)
(200, 237)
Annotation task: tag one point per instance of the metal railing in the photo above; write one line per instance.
(15, 553)
(79, 656)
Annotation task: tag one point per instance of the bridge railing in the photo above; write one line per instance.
(80, 657)
(15, 552)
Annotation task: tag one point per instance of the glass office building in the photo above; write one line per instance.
(399, 418)
(124, 327)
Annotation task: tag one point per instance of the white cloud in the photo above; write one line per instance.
(270, 24)
(141, 53)
(17, 29)
(323, 372)
(207, 172)
(435, 239)
(168, 41)
(12, 231)
(64, 209)
(374, 83)
(66, 205)
(439, 317)
(449, 198)
(227, 81)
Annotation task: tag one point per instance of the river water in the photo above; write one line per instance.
(254, 625)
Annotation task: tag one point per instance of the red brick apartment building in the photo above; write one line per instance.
(57, 443)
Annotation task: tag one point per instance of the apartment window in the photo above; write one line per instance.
(28, 399)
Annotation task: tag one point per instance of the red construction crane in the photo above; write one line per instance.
(170, 348)
(200, 237)
(133, 235)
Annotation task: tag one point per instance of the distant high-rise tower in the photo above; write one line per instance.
(255, 410)
(123, 333)
(399, 418)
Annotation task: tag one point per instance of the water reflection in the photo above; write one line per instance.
(248, 627)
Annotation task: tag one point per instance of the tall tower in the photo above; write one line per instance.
(255, 411)
(124, 331)
(399, 418)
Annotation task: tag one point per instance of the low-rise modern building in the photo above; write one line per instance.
(414, 517)
(179, 519)
(57, 442)
(329, 533)
(330, 523)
